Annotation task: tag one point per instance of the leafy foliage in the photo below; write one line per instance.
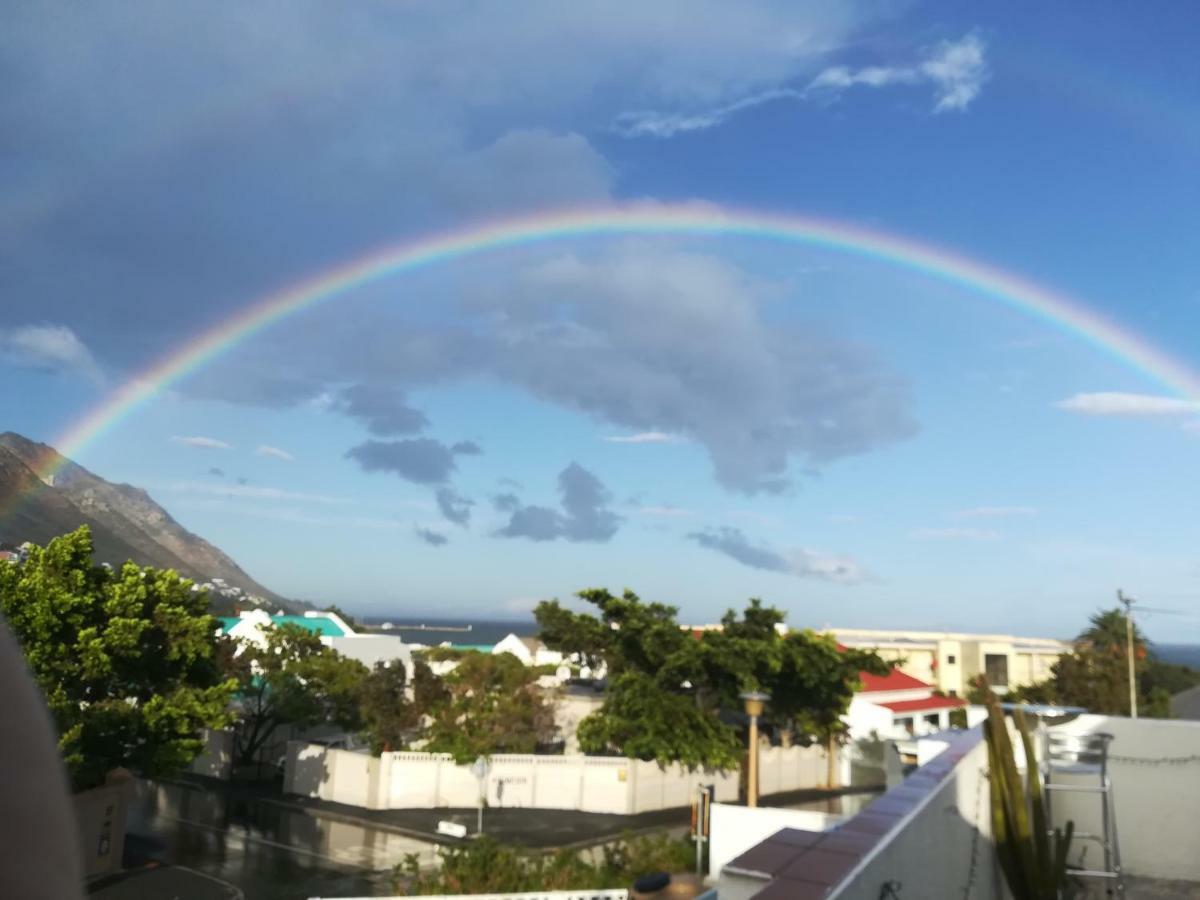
(1095, 673)
(488, 704)
(668, 686)
(642, 720)
(390, 717)
(486, 866)
(126, 658)
(291, 679)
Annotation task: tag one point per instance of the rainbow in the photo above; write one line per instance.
(1058, 310)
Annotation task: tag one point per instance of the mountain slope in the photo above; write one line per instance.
(126, 523)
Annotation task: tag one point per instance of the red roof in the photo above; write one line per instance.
(894, 680)
(925, 703)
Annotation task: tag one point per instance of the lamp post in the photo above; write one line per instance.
(754, 702)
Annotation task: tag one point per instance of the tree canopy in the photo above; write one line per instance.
(1095, 673)
(292, 678)
(668, 686)
(490, 703)
(126, 658)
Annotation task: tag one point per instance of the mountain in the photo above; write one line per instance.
(125, 522)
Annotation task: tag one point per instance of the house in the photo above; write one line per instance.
(528, 650)
(333, 631)
(897, 706)
(950, 661)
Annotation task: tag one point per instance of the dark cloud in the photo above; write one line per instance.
(431, 537)
(454, 506)
(733, 543)
(219, 473)
(243, 480)
(506, 502)
(585, 515)
(420, 460)
(648, 338)
(384, 410)
(176, 161)
(466, 448)
(799, 562)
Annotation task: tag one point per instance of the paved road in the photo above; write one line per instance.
(269, 852)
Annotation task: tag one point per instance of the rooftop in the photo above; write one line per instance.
(930, 836)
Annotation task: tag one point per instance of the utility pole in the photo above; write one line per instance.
(1127, 602)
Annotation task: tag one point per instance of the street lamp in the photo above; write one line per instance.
(754, 702)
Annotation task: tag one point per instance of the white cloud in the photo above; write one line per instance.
(50, 348)
(670, 512)
(1115, 403)
(800, 561)
(643, 437)
(996, 512)
(954, 534)
(248, 492)
(650, 123)
(201, 442)
(274, 452)
(955, 69)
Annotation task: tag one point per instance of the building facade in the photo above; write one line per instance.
(950, 661)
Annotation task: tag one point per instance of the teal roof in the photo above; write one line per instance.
(321, 625)
(227, 623)
(481, 648)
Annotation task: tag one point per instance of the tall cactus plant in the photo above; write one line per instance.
(1033, 859)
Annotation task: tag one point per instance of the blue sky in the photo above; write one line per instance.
(702, 420)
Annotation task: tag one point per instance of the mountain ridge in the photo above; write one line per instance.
(125, 521)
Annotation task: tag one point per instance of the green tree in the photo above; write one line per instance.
(393, 709)
(668, 686)
(292, 679)
(485, 866)
(126, 658)
(490, 703)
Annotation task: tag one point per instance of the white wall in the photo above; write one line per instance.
(735, 829)
(939, 848)
(589, 783)
(1156, 803)
(216, 759)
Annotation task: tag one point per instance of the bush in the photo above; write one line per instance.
(486, 866)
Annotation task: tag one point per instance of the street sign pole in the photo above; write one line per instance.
(480, 769)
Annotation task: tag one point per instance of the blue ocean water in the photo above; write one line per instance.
(1182, 654)
(482, 631)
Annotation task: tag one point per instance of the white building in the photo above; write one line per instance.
(334, 632)
(897, 706)
(528, 650)
(949, 661)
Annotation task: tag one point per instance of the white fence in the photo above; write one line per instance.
(598, 784)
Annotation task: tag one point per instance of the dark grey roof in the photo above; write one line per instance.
(1186, 704)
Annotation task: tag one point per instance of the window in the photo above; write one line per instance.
(952, 692)
(995, 666)
(950, 659)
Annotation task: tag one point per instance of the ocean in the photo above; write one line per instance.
(1182, 654)
(482, 631)
(489, 631)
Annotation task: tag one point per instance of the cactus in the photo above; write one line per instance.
(1033, 859)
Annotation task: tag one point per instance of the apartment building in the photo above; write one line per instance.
(950, 660)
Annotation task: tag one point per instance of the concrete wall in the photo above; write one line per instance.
(942, 848)
(1155, 773)
(588, 783)
(100, 816)
(216, 759)
(735, 829)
